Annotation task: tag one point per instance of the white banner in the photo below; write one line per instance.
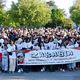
(51, 57)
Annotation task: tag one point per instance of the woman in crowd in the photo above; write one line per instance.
(4, 58)
(12, 56)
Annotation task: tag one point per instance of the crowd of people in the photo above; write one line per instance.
(12, 39)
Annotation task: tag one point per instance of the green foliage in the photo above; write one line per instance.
(75, 16)
(29, 13)
(12, 16)
(57, 17)
(75, 12)
(1, 12)
(34, 13)
(67, 23)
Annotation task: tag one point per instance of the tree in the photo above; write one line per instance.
(1, 12)
(57, 17)
(75, 16)
(67, 23)
(75, 12)
(12, 16)
(30, 13)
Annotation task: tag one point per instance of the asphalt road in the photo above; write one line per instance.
(73, 75)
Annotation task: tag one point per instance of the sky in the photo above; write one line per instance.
(63, 4)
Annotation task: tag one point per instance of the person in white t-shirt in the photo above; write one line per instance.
(46, 44)
(29, 44)
(12, 56)
(36, 47)
(50, 44)
(18, 44)
(53, 44)
(24, 44)
(4, 58)
(72, 45)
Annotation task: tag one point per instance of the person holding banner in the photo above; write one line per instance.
(46, 43)
(71, 45)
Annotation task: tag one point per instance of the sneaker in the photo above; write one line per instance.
(19, 71)
(43, 69)
(63, 70)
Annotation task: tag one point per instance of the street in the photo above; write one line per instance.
(73, 75)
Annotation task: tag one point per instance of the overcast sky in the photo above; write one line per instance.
(63, 4)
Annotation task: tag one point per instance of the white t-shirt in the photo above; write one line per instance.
(46, 46)
(29, 44)
(24, 45)
(76, 45)
(4, 53)
(70, 46)
(53, 45)
(36, 47)
(13, 48)
(73, 45)
(19, 47)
